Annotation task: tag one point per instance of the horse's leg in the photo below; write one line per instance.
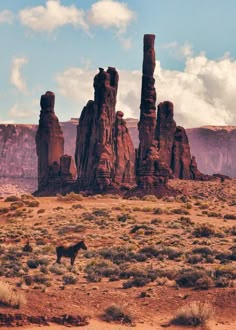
(72, 260)
(58, 258)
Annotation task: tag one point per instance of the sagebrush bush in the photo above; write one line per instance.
(204, 230)
(194, 314)
(115, 313)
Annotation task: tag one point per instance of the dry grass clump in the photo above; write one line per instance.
(196, 313)
(9, 297)
(115, 313)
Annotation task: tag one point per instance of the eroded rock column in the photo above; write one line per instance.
(49, 141)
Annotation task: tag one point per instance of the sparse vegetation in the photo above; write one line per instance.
(9, 296)
(196, 313)
(115, 313)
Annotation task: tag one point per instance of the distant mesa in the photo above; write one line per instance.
(105, 157)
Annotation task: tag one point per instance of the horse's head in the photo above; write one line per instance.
(83, 245)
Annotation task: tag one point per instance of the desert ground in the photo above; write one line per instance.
(147, 258)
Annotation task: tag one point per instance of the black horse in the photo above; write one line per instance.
(70, 251)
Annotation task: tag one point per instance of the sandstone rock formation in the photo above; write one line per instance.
(104, 151)
(173, 144)
(124, 152)
(152, 172)
(54, 168)
(49, 141)
(214, 148)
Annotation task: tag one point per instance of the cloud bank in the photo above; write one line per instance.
(203, 94)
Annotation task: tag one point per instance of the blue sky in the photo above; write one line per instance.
(58, 45)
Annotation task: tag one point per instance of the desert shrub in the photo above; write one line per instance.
(188, 277)
(186, 221)
(148, 230)
(77, 206)
(188, 206)
(124, 217)
(149, 198)
(193, 314)
(204, 283)
(228, 271)
(69, 197)
(88, 216)
(43, 261)
(158, 210)
(57, 269)
(150, 251)
(204, 230)
(32, 203)
(180, 211)
(156, 221)
(134, 198)
(194, 258)
(16, 205)
(58, 208)
(10, 297)
(115, 313)
(171, 252)
(112, 196)
(96, 270)
(213, 214)
(101, 212)
(40, 211)
(203, 250)
(118, 255)
(230, 216)
(33, 263)
(4, 210)
(43, 269)
(223, 282)
(40, 279)
(203, 206)
(138, 281)
(69, 279)
(12, 199)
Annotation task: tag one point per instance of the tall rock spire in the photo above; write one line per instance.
(49, 141)
(147, 122)
(104, 151)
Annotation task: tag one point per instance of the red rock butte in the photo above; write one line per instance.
(105, 158)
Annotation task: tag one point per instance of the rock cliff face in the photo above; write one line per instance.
(214, 148)
(104, 151)
(18, 157)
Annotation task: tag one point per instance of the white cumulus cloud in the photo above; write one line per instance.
(6, 16)
(203, 93)
(16, 76)
(52, 16)
(111, 14)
